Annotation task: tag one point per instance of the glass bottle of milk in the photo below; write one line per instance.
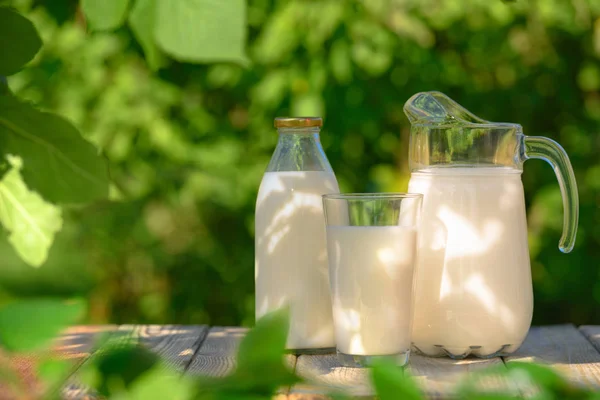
(291, 267)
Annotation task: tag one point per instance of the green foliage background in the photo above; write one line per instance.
(188, 144)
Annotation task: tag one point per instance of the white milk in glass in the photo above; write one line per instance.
(371, 282)
(473, 286)
(291, 256)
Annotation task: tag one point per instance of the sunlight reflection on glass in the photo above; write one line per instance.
(465, 238)
(290, 217)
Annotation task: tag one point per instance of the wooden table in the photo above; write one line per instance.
(210, 351)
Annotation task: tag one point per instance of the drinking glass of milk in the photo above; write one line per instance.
(371, 245)
(291, 251)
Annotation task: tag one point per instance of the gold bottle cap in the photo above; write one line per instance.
(298, 122)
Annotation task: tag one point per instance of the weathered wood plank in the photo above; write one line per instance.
(324, 374)
(592, 334)
(216, 355)
(564, 348)
(174, 344)
(79, 342)
(439, 377)
(201, 351)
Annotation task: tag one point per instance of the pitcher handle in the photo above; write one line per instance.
(553, 153)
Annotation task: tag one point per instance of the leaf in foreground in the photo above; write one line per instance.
(202, 30)
(58, 162)
(545, 378)
(142, 20)
(105, 14)
(265, 343)
(391, 383)
(160, 383)
(261, 369)
(19, 41)
(54, 373)
(120, 366)
(31, 324)
(31, 221)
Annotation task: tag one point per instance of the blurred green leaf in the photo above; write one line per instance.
(159, 384)
(474, 387)
(89, 376)
(57, 162)
(31, 221)
(543, 376)
(339, 396)
(391, 384)
(27, 325)
(105, 14)
(280, 34)
(594, 396)
(142, 21)
(52, 371)
(551, 383)
(265, 344)
(202, 30)
(261, 369)
(308, 104)
(119, 366)
(54, 374)
(588, 78)
(339, 59)
(19, 41)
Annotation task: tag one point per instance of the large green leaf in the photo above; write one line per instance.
(391, 383)
(159, 383)
(31, 221)
(19, 41)
(57, 162)
(31, 324)
(202, 30)
(261, 369)
(142, 21)
(123, 364)
(265, 344)
(105, 14)
(54, 374)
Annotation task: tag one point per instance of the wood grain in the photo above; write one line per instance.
(80, 341)
(216, 355)
(200, 351)
(174, 344)
(324, 374)
(564, 348)
(592, 334)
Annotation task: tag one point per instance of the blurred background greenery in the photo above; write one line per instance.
(188, 145)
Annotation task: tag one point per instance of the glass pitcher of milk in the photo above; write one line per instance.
(473, 290)
(291, 266)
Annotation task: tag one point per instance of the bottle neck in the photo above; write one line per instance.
(299, 149)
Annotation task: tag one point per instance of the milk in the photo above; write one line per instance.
(473, 284)
(291, 255)
(371, 271)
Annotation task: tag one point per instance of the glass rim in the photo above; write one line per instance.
(372, 196)
(472, 125)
